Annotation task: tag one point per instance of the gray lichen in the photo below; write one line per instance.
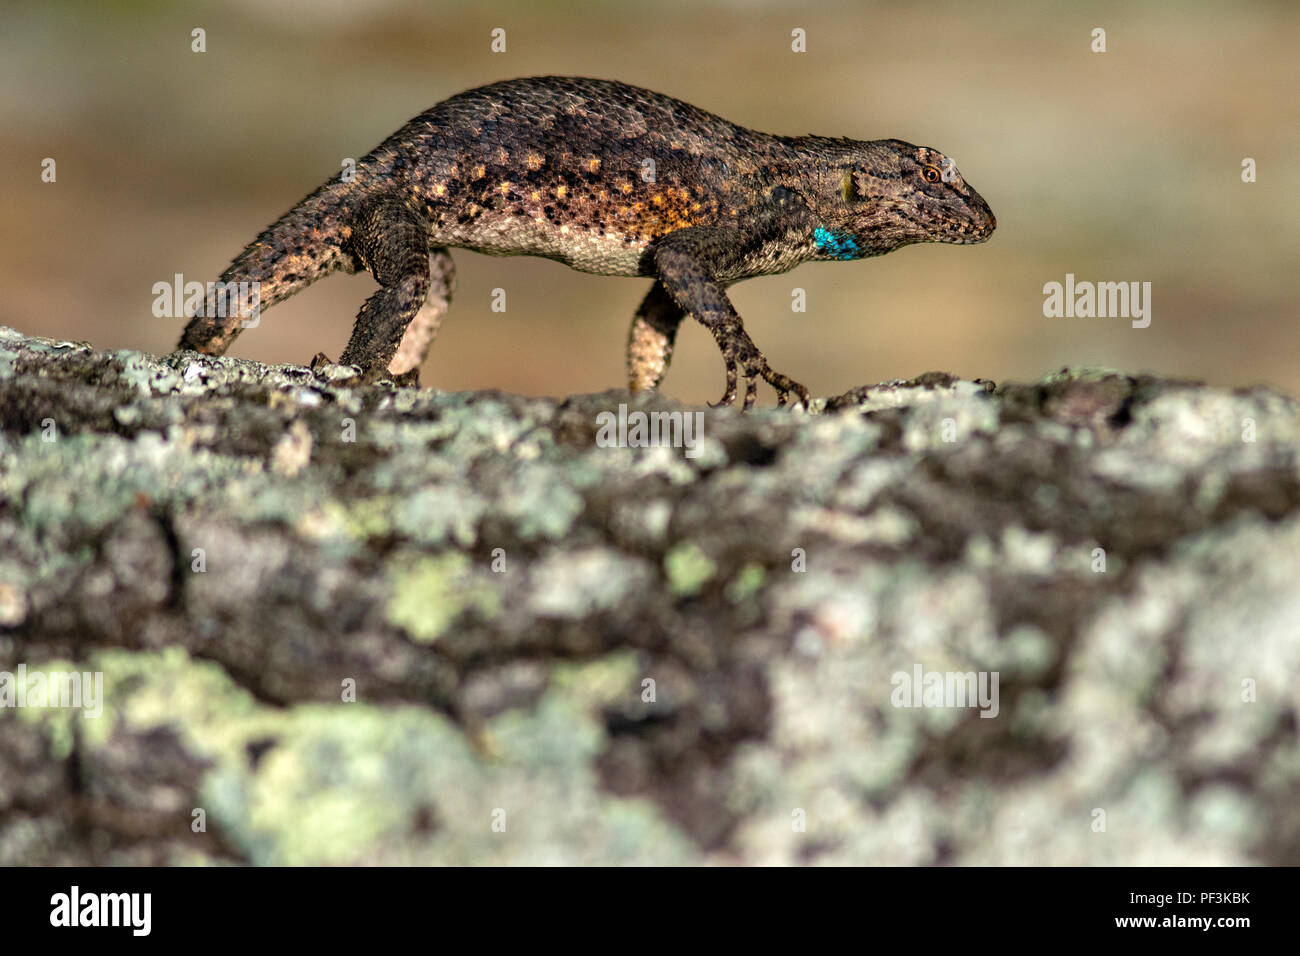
(383, 625)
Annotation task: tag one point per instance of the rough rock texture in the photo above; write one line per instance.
(234, 547)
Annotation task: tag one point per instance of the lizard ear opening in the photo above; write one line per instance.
(847, 189)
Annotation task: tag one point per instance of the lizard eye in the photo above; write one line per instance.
(931, 174)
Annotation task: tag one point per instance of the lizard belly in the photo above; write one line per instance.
(587, 248)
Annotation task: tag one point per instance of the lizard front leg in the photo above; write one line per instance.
(687, 262)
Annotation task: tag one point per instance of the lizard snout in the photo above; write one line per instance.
(984, 220)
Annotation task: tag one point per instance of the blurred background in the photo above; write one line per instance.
(1115, 166)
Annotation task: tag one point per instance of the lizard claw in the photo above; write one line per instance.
(739, 350)
(729, 396)
(801, 393)
(783, 385)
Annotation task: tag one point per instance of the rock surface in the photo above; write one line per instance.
(567, 653)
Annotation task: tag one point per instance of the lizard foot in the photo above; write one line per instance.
(742, 358)
(378, 373)
(784, 386)
(755, 368)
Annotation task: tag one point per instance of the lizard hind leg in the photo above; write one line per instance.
(650, 339)
(414, 347)
(392, 243)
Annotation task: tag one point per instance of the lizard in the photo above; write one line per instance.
(610, 179)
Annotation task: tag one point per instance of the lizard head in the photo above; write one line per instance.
(893, 194)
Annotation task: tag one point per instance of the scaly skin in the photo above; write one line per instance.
(610, 179)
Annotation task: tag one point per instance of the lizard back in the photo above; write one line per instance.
(588, 172)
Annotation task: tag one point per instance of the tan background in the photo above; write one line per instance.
(1115, 166)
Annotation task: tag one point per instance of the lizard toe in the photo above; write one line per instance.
(729, 396)
(784, 386)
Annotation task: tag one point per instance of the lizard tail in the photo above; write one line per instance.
(303, 245)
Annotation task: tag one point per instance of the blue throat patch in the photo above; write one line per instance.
(837, 245)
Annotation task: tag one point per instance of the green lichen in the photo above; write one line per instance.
(746, 583)
(430, 594)
(688, 569)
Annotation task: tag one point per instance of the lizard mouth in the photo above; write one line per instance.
(963, 225)
(976, 229)
(969, 233)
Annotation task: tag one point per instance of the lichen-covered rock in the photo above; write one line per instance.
(347, 624)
